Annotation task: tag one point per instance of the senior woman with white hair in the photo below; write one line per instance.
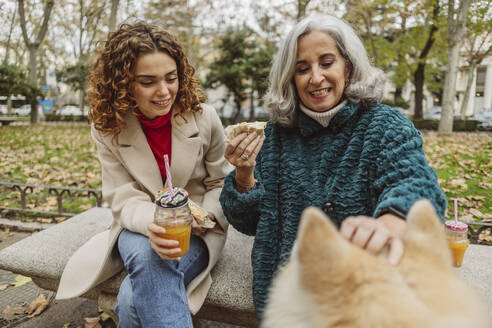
(329, 143)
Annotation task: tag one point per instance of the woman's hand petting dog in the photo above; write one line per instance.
(374, 235)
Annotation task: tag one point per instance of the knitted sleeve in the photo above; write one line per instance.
(403, 175)
(241, 210)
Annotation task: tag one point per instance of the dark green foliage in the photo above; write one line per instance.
(13, 81)
(458, 125)
(399, 102)
(65, 118)
(75, 75)
(242, 66)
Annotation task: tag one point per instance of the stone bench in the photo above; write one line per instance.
(7, 120)
(43, 256)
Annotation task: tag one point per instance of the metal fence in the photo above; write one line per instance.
(59, 192)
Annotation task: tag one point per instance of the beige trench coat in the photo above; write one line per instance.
(130, 176)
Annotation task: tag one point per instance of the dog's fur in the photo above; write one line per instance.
(328, 282)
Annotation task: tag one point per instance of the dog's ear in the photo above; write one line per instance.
(318, 239)
(425, 233)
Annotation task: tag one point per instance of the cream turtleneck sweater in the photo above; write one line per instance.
(325, 117)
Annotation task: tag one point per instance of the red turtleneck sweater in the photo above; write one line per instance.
(158, 134)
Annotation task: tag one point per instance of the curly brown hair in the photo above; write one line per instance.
(110, 81)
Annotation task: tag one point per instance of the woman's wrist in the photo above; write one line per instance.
(244, 187)
(394, 224)
(244, 177)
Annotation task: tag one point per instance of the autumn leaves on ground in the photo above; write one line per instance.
(64, 155)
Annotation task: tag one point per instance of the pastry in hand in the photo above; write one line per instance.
(233, 131)
(200, 215)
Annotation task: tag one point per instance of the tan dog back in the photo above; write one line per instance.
(328, 282)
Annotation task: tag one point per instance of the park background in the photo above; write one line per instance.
(437, 55)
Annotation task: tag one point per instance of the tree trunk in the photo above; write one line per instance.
(33, 80)
(449, 94)
(82, 100)
(456, 27)
(33, 50)
(238, 111)
(419, 74)
(301, 9)
(469, 83)
(114, 14)
(418, 81)
(9, 104)
(252, 108)
(398, 92)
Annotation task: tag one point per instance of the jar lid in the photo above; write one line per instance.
(164, 199)
(457, 226)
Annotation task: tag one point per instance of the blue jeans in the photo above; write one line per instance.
(154, 292)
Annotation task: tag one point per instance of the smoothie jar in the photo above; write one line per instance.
(174, 215)
(457, 236)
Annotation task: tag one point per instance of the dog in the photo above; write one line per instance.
(329, 282)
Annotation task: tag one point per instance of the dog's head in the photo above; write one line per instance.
(328, 282)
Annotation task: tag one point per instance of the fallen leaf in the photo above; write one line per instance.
(456, 183)
(467, 218)
(51, 201)
(92, 323)
(37, 306)
(13, 312)
(104, 316)
(43, 220)
(21, 280)
(7, 310)
(66, 325)
(474, 197)
(3, 287)
(485, 185)
(476, 213)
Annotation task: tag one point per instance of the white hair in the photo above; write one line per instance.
(365, 84)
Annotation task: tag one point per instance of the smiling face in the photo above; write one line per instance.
(320, 72)
(156, 84)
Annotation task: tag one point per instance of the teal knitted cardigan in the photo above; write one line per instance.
(366, 161)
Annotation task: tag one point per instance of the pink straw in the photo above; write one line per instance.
(456, 211)
(168, 175)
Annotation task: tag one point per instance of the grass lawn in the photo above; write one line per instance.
(64, 155)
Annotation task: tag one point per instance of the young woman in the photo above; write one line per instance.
(145, 103)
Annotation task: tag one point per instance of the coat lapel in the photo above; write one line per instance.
(185, 149)
(140, 161)
(137, 155)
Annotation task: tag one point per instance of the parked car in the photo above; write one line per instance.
(484, 116)
(485, 126)
(23, 110)
(485, 119)
(70, 110)
(434, 113)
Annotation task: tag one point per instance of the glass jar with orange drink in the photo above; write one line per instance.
(457, 236)
(173, 214)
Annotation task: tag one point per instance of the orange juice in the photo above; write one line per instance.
(457, 236)
(181, 233)
(173, 213)
(458, 251)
